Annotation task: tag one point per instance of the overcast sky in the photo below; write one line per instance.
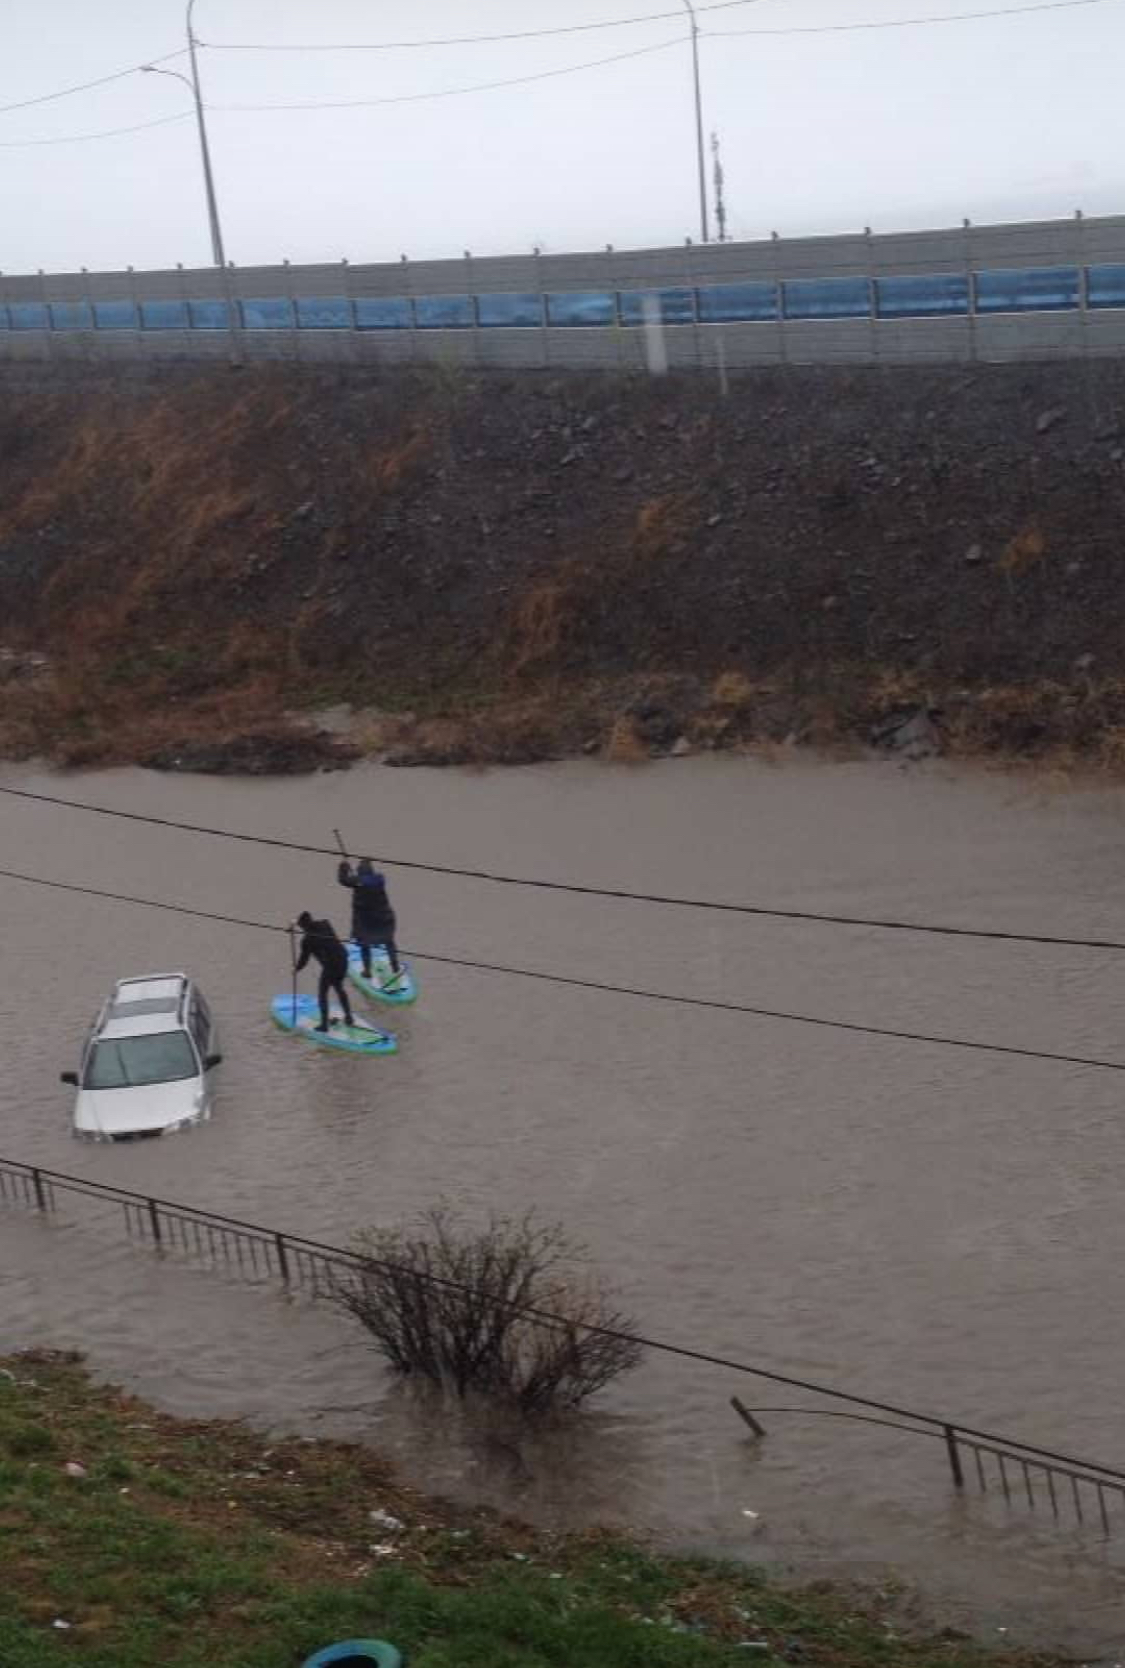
(1001, 119)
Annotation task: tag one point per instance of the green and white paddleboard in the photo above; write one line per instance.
(302, 1016)
(382, 985)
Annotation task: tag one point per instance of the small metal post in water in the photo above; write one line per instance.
(954, 1457)
(282, 1259)
(1027, 1484)
(980, 1469)
(747, 1417)
(40, 1196)
(154, 1218)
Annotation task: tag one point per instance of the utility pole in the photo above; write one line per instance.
(720, 197)
(217, 254)
(204, 148)
(700, 152)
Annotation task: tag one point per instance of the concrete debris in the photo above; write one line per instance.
(912, 735)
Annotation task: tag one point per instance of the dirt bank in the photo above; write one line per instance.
(511, 568)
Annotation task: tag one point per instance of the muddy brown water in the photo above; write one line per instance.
(907, 1221)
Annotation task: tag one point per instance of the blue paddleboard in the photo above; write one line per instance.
(302, 1018)
(382, 985)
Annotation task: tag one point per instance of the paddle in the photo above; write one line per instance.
(293, 969)
(338, 837)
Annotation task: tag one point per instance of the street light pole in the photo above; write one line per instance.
(700, 154)
(204, 148)
(217, 253)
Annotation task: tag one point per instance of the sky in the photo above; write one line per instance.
(994, 119)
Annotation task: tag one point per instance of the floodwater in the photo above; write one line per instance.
(920, 1224)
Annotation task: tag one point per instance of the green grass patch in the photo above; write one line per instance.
(202, 1545)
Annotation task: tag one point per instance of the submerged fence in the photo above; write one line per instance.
(1082, 1491)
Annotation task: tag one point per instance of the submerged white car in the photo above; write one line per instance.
(148, 1061)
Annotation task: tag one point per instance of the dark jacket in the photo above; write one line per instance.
(371, 908)
(320, 942)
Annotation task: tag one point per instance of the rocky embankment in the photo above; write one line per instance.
(461, 568)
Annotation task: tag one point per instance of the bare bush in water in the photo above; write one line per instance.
(448, 1304)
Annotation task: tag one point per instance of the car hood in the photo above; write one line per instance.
(136, 1111)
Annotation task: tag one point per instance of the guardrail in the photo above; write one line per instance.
(1068, 1485)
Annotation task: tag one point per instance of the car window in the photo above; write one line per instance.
(198, 1025)
(206, 1023)
(130, 1062)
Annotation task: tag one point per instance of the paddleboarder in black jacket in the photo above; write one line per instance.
(373, 919)
(320, 942)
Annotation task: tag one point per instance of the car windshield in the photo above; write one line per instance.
(130, 1062)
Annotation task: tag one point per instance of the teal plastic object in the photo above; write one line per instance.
(357, 1653)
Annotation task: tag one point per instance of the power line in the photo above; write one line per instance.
(600, 987)
(763, 911)
(146, 903)
(621, 57)
(455, 92)
(471, 40)
(83, 138)
(770, 1013)
(907, 22)
(631, 22)
(84, 86)
(487, 86)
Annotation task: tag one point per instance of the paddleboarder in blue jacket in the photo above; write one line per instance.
(373, 919)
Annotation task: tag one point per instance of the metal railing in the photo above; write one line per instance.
(254, 1253)
(1020, 1472)
(20, 1184)
(1080, 1489)
(1069, 1487)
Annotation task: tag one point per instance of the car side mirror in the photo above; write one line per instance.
(211, 1061)
(70, 1077)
